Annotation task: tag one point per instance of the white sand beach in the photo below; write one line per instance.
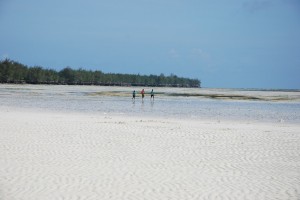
(65, 156)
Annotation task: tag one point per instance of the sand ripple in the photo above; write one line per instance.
(73, 156)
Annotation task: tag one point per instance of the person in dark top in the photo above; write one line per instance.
(133, 94)
(152, 94)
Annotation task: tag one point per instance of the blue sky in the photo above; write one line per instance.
(225, 44)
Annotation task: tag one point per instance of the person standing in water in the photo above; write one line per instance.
(143, 94)
(133, 94)
(152, 94)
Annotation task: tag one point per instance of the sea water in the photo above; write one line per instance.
(181, 103)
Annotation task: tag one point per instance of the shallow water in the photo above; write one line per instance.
(185, 103)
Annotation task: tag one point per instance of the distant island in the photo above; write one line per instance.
(15, 72)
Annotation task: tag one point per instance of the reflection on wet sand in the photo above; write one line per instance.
(217, 104)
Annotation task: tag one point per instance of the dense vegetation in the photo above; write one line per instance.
(14, 72)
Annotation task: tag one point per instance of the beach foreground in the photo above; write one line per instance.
(60, 155)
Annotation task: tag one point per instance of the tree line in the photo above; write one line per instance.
(14, 72)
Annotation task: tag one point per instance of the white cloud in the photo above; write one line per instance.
(173, 53)
(203, 59)
(199, 53)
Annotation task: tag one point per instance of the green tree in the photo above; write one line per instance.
(14, 72)
(67, 75)
(35, 75)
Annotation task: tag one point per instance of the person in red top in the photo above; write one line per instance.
(143, 93)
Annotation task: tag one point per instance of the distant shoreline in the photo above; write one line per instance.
(159, 86)
(255, 89)
(103, 84)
